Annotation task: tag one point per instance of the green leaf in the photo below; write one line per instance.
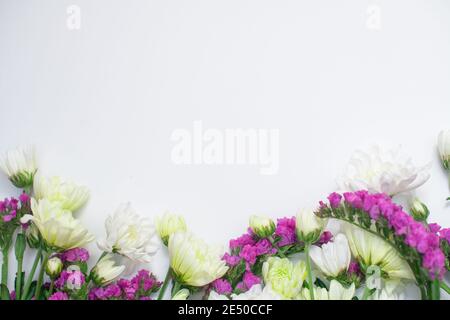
(320, 283)
(32, 290)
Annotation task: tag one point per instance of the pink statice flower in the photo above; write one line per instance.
(59, 296)
(222, 286)
(285, 230)
(75, 255)
(250, 280)
(231, 260)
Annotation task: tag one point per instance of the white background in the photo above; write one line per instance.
(100, 103)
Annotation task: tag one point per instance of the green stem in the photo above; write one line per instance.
(52, 285)
(19, 278)
(435, 289)
(176, 288)
(28, 189)
(423, 292)
(41, 275)
(308, 269)
(5, 253)
(445, 287)
(366, 293)
(165, 284)
(26, 289)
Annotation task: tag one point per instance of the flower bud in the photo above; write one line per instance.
(444, 148)
(168, 224)
(419, 210)
(309, 227)
(106, 270)
(182, 294)
(263, 227)
(54, 267)
(20, 166)
(32, 236)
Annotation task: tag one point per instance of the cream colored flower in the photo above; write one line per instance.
(333, 258)
(169, 224)
(106, 270)
(194, 262)
(309, 226)
(336, 292)
(284, 277)
(20, 166)
(372, 250)
(182, 294)
(256, 292)
(392, 290)
(263, 227)
(130, 235)
(380, 170)
(59, 229)
(56, 189)
(444, 147)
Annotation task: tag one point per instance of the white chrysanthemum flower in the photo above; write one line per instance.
(333, 258)
(106, 270)
(336, 292)
(371, 250)
(256, 292)
(392, 290)
(284, 277)
(169, 224)
(56, 189)
(193, 261)
(59, 229)
(309, 227)
(130, 235)
(444, 147)
(20, 166)
(380, 170)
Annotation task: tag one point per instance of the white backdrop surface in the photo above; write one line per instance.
(101, 102)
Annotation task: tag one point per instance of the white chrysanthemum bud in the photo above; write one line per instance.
(444, 148)
(263, 227)
(106, 270)
(309, 226)
(419, 210)
(54, 267)
(20, 166)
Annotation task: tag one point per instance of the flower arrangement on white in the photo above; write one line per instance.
(377, 251)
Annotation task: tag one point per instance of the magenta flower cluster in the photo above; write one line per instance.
(9, 206)
(70, 279)
(140, 287)
(415, 234)
(75, 255)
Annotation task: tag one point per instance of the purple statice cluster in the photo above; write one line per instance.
(9, 207)
(59, 296)
(416, 235)
(248, 248)
(140, 287)
(70, 280)
(74, 255)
